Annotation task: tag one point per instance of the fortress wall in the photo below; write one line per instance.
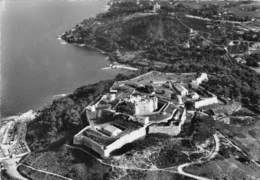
(81, 140)
(169, 130)
(206, 102)
(137, 134)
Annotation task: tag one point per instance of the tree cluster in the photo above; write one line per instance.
(203, 128)
(126, 107)
(64, 115)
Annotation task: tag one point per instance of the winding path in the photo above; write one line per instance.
(121, 167)
(42, 171)
(239, 149)
(12, 169)
(217, 20)
(209, 157)
(180, 168)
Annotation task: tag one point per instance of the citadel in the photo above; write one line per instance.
(154, 102)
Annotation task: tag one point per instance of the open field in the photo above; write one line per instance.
(228, 168)
(228, 164)
(251, 139)
(65, 162)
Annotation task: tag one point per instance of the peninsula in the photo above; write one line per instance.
(187, 106)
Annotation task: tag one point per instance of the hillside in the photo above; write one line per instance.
(170, 41)
(59, 121)
(165, 40)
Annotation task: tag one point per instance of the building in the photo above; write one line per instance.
(112, 95)
(240, 60)
(110, 129)
(180, 89)
(107, 138)
(206, 102)
(194, 96)
(144, 104)
(195, 83)
(175, 126)
(91, 108)
(100, 110)
(193, 33)
(186, 45)
(254, 47)
(231, 43)
(143, 120)
(109, 97)
(156, 7)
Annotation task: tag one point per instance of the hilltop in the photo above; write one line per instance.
(174, 37)
(169, 40)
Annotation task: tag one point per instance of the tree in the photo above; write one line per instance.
(253, 60)
(203, 128)
(126, 107)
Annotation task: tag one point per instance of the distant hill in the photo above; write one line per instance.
(168, 40)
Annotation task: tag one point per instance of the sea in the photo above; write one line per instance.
(35, 64)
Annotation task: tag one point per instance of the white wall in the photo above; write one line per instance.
(206, 102)
(137, 134)
(169, 130)
(81, 140)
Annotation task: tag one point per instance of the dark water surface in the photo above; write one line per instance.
(35, 65)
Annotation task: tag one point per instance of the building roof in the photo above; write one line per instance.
(111, 130)
(179, 87)
(118, 128)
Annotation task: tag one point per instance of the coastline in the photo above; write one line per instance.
(31, 113)
(107, 58)
(23, 117)
(72, 112)
(9, 161)
(63, 42)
